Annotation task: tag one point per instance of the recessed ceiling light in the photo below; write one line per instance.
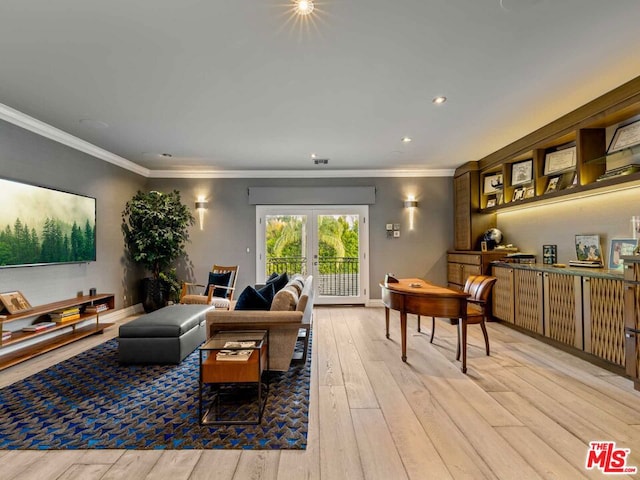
(313, 155)
(439, 100)
(166, 155)
(406, 139)
(303, 7)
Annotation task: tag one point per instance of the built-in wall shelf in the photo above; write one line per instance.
(21, 345)
(563, 160)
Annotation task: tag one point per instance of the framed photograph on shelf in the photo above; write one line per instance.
(518, 194)
(521, 172)
(549, 254)
(492, 183)
(560, 160)
(492, 202)
(618, 248)
(554, 184)
(530, 192)
(624, 137)
(14, 302)
(588, 248)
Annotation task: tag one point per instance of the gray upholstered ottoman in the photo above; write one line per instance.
(167, 335)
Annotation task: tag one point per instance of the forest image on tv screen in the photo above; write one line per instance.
(39, 225)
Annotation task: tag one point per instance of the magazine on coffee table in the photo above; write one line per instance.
(246, 344)
(234, 355)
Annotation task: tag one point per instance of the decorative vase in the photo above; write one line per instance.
(153, 294)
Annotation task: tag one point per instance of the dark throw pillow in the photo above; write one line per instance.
(268, 292)
(250, 299)
(272, 276)
(221, 279)
(279, 282)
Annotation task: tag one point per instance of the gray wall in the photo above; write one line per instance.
(230, 225)
(28, 157)
(229, 221)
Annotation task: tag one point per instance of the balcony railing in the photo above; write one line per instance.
(287, 264)
(337, 277)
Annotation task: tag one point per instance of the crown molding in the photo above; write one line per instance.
(38, 127)
(22, 120)
(300, 173)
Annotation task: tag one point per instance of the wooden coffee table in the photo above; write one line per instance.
(228, 377)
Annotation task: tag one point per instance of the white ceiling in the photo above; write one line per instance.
(239, 85)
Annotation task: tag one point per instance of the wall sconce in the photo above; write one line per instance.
(411, 204)
(201, 206)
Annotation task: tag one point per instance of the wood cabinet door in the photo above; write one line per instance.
(632, 337)
(454, 273)
(563, 308)
(603, 307)
(503, 294)
(462, 212)
(529, 311)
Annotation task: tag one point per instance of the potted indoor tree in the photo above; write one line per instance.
(156, 229)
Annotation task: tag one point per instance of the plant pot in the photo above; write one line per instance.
(153, 294)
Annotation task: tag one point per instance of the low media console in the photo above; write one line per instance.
(30, 344)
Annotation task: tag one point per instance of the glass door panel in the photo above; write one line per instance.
(286, 244)
(331, 243)
(337, 261)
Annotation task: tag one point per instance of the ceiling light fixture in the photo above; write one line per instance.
(439, 100)
(313, 155)
(406, 139)
(303, 7)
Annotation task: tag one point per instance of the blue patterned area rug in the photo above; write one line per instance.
(92, 402)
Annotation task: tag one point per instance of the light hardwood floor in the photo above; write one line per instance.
(527, 411)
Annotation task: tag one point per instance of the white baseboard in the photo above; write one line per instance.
(116, 315)
(374, 302)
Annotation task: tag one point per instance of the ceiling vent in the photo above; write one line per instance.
(320, 161)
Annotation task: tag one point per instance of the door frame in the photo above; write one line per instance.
(312, 212)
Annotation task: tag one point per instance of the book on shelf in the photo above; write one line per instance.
(585, 263)
(233, 355)
(6, 334)
(38, 327)
(246, 344)
(96, 308)
(67, 318)
(66, 312)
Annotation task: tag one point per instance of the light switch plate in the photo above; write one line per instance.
(396, 233)
(389, 226)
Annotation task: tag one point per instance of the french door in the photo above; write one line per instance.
(329, 242)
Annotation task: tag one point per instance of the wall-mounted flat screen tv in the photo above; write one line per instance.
(41, 226)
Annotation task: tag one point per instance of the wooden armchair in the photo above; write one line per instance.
(215, 292)
(479, 289)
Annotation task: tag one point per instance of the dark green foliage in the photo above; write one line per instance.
(337, 238)
(22, 246)
(155, 227)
